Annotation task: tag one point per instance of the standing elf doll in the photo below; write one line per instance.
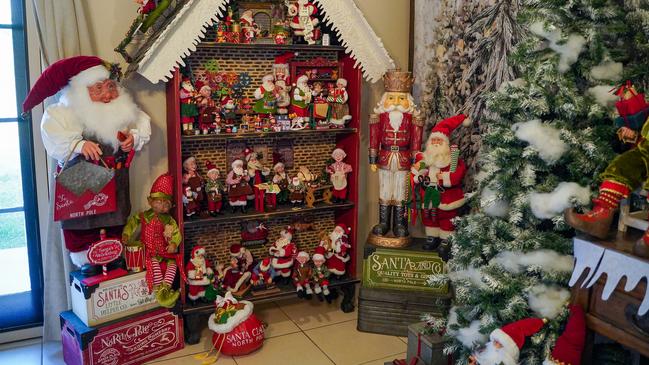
(188, 107)
(437, 184)
(214, 189)
(161, 237)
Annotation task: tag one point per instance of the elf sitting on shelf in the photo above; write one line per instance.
(302, 274)
(263, 275)
(199, 274)
(321, 275)
(160, 235)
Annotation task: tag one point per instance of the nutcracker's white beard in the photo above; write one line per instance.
(491, 355)
(395, 113)
(101, 120)
(437, 155)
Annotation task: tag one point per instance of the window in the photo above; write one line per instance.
(20, 259)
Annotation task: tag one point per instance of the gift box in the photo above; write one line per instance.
(135, 340)
(425, 349)
(109, 300)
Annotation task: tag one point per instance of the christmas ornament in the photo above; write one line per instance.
(338, 175)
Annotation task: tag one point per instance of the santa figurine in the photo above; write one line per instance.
(283, 97)
(249, 27)
(214, 189)
(438, 172)
(339, 107)
(505, 343)
(338, 254)
(190, 205)
(321, 274)
(304, 20)
(194, 179)
(207, 108)
(238, 187)
(160, 236)
(258, 173)
(297, 191)
(302, 273)
(228, 110)
(283, 252)
(199, 274)
(94, 118)
(238, 273)
(395, 139)
(266, 96)
(188, 107)
(280, 178)
(301, 99)
(262, 275)
(281, 67)
(338, 175)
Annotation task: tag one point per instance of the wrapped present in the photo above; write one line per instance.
(631, 102)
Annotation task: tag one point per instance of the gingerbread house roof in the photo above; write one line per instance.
(182, 31)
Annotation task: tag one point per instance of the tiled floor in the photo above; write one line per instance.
(298, 333)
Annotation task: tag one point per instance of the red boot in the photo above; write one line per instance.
(598, 221)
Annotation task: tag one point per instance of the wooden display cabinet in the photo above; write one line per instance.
(312, 148)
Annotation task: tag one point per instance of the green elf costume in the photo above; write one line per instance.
(161, 237)
(626, 172)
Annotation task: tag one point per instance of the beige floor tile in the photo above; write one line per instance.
(291, 349)
(190, 360)
(30, 354)
(347, 346)
(203, 346)
(386, 359)
(278, 322)
(404, 339)
(313, 313)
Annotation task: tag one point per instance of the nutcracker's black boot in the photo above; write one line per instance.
(400, 227)
(431, 243)
(384, 220)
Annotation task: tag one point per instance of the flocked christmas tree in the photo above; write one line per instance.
(547, 138)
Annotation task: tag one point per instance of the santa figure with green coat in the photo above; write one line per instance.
(266, 96)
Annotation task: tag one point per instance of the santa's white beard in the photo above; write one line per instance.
(334, 237)
(437, 155)
(199, 262)
(101, 120)
(281, 242)
(491, 355)
(238, 171)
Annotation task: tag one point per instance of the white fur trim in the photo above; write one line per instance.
(203, 281)
(437, 135)
(444, 234)
(79, 258)
(343, 258)
(277, 265)
(467, 122)
(317, 256)
(336, 271)
(432, 231)
(90, 76)
(550, 362)
(451, 206)
(242, 280)
(446, 179)
(238, 318)
(508, 343)
(199, 295)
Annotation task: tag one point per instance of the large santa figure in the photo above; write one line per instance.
(395, 138)
(94, 118)
(283, 253)
(438, 173)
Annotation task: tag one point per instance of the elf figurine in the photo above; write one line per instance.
(263, 275)
(161, 237)
(194, 179)
(214, 189)
(266, 96)
(338, 175)
(302, 273)
(188, 108)
(297, 192)
(438, 173)
(238, 187)
(304, 19)
(338, 101)
(283, 252)
(321, 275)
(301, 99)
(338, 255)
(281, 179)
(199, 274)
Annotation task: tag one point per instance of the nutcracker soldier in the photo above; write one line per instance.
(161, 237)
(199, 274)
(437, 175)
(214, 189)
(283, 252)
(338, 175)
(395, 138)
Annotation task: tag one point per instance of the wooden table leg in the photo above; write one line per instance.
(193, 328)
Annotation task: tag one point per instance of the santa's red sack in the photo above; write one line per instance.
(631, 102)
(241, 335)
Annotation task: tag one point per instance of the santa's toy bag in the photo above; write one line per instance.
(237, 331)
(631, 102)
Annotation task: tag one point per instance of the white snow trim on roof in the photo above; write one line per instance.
(180, 38)
(358, 37)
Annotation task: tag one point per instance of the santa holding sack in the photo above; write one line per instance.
(199, 273)
(437, 176)
(94, 119)
(338, 255)
(283, 253)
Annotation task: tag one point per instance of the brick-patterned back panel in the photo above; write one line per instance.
(217, 238)
(256, 62)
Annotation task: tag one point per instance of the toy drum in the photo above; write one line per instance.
(134, 258)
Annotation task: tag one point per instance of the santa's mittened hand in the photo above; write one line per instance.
(91, 151)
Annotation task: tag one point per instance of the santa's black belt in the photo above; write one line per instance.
(395, 148)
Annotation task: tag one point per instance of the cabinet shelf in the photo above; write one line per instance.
(280, 47)
(286, 292)
(247, 135)
(280, 212)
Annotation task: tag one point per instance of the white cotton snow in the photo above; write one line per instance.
(603, 95)
(568, 48)
(519, 82)
(492, 205)
(471, 336)
(472, 274)
(547, 301)
(549, 205)
(547, 260)
(609, 70)
(543, 138)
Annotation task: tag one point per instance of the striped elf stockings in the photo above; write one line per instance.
(170, 274)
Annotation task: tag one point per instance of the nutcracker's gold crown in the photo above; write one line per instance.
(398, 81)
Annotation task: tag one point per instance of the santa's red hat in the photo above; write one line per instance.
(284, 58)
(225, 100)
(512, 336)
(344, 227)
(210, 166)
(288, 232)
(319, 253)
(570, 345)
(444, 128)
(78, 70)
(249, 153)
(236, 249)
(163, 187)
(198, 250)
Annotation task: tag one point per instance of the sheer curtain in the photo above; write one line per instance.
(63, 32)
